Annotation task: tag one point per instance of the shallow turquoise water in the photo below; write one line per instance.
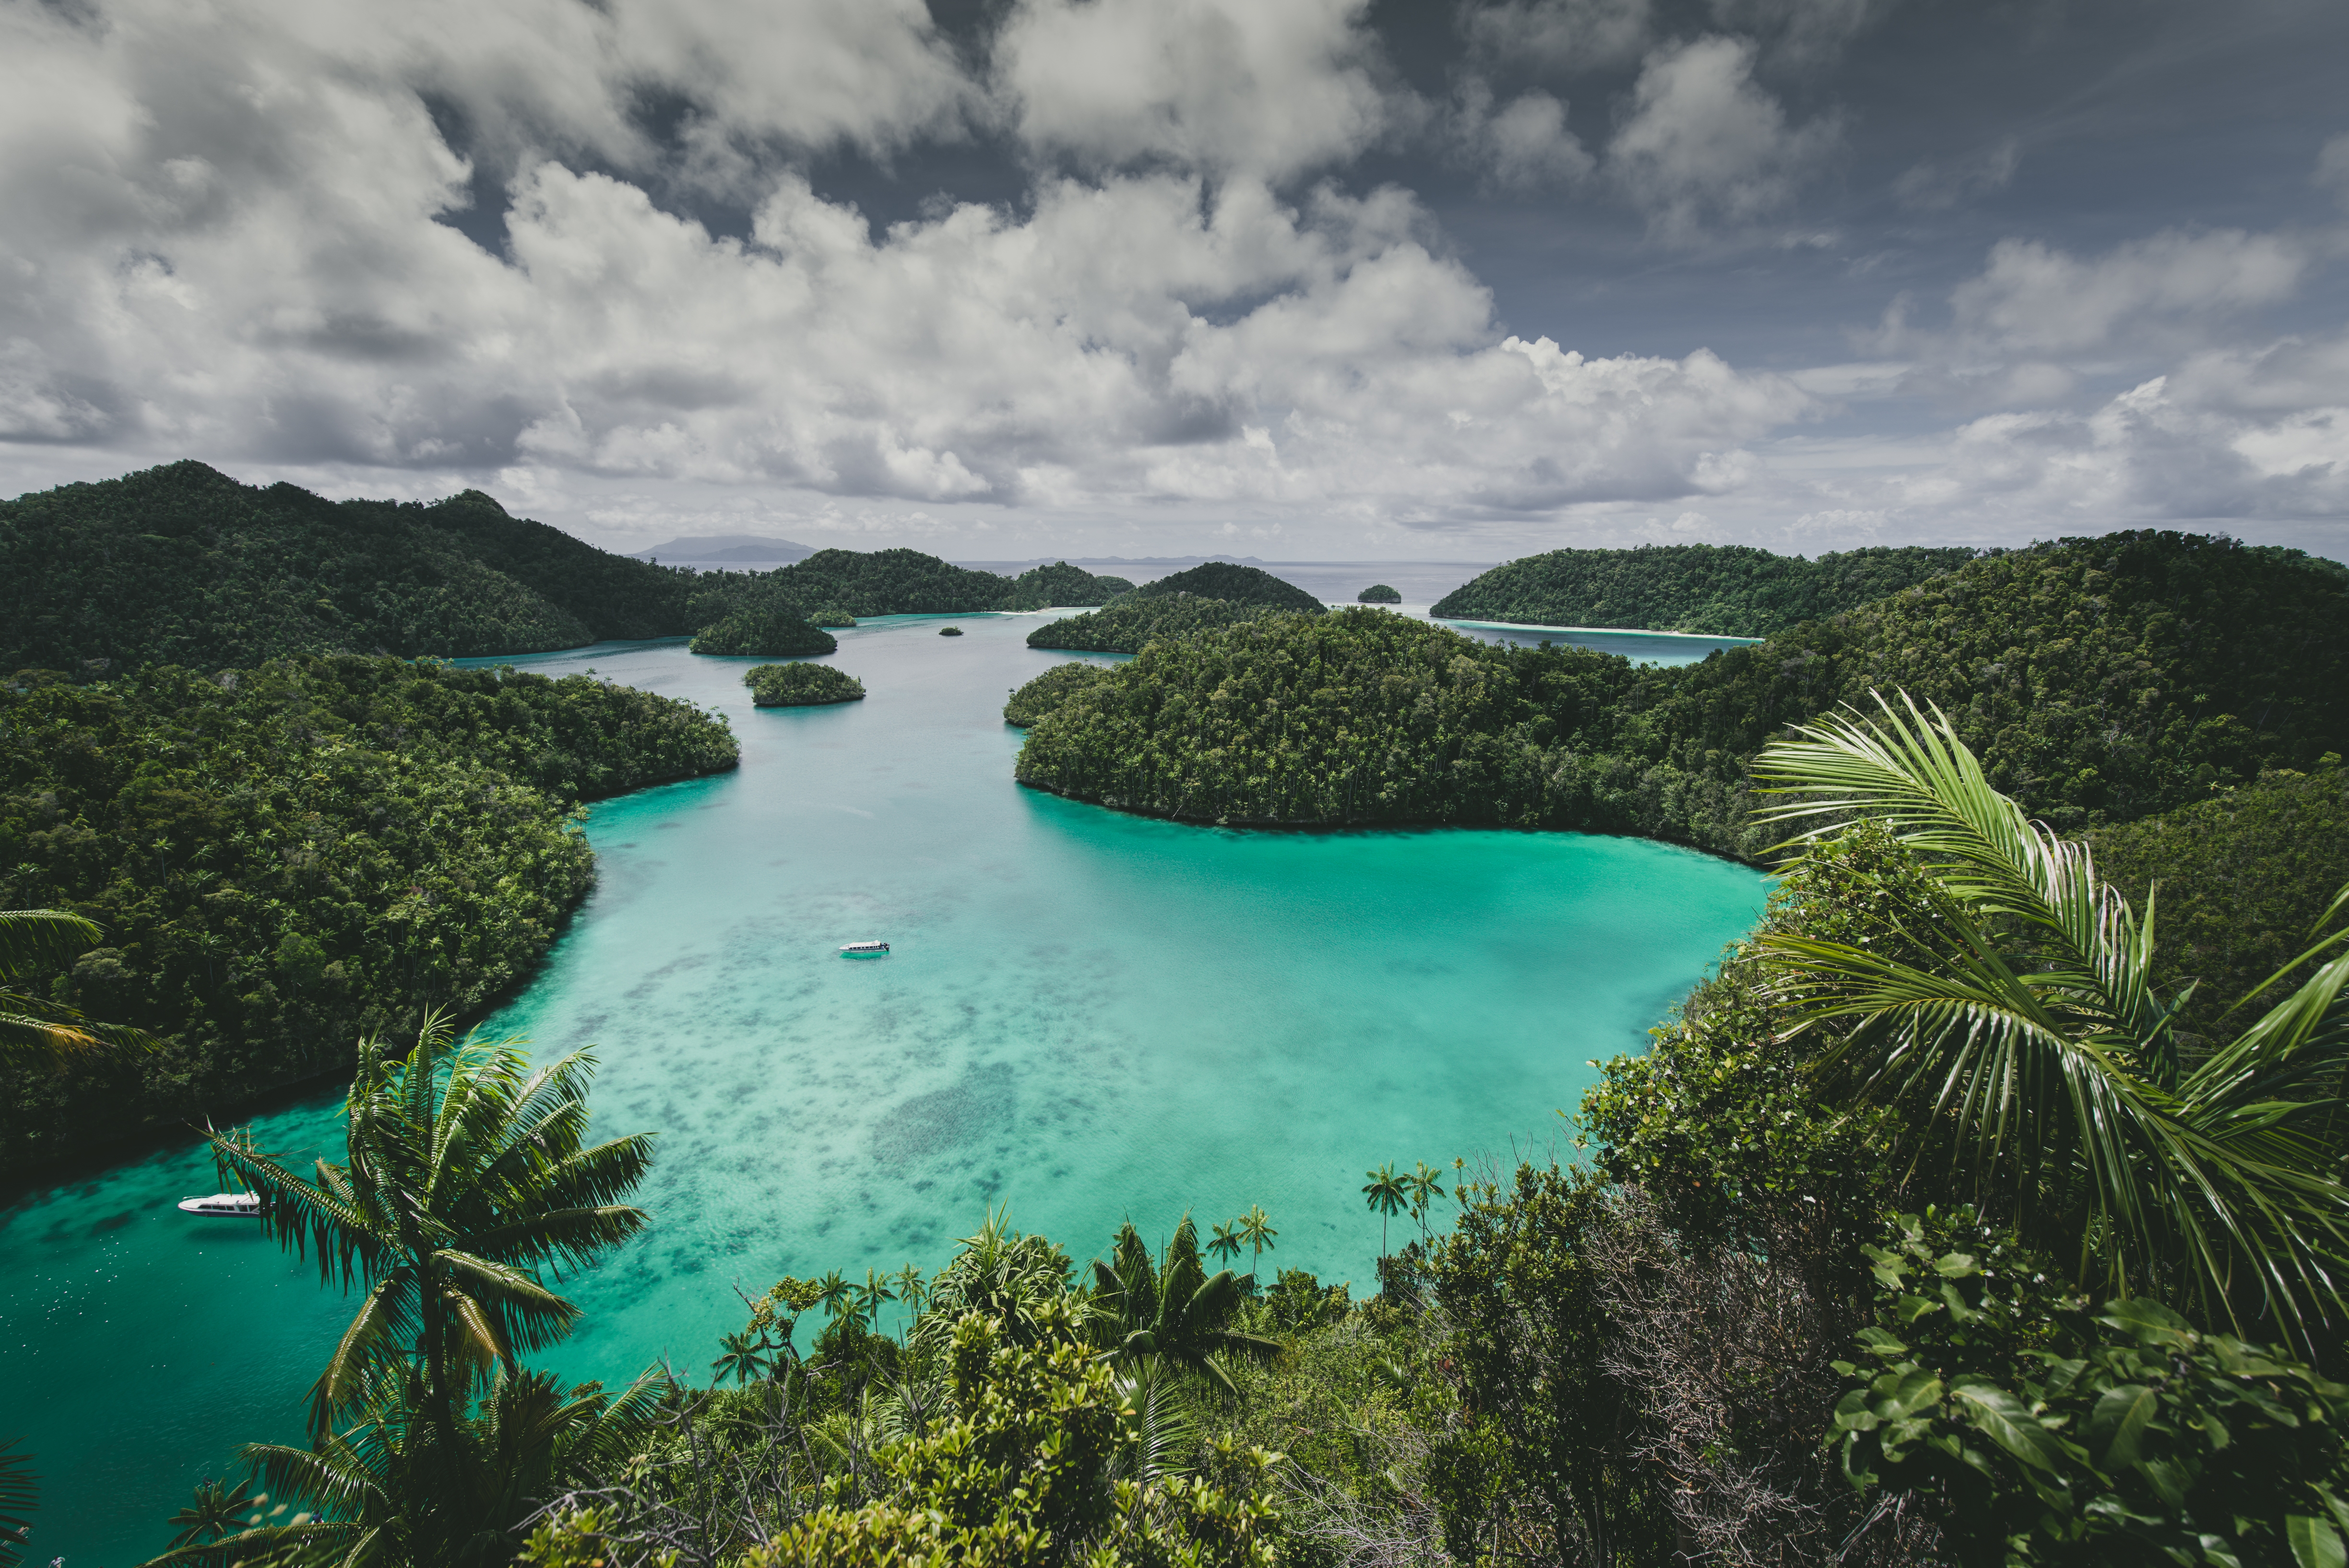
(1086, 1016)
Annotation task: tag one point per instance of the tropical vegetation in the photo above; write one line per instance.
(1234, 584)
(847, 584)
(763, 634)
(1133, 622)
(1378, 593)
(182, 565)
(2100, 681)
(1726, 590)
(800, 685)
(1041, 587)
(1049, 690)
(282, 859)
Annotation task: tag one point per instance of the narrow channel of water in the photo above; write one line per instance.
(1086, 1017)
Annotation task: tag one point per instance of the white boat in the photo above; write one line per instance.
(865, 950)
(230, 1205)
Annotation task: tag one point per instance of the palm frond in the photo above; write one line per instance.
(28, 937)
(378, 1333)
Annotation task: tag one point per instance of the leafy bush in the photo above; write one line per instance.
(1234, 584)
(1133, 621)
(800, 685)
(830, 616)
(949, 631)
(1728, 590)
(2066, 1436)
(1049, 690)
(1378, 593)
(2100, 681)
(764, 634)
(182, 565)
(283, 860)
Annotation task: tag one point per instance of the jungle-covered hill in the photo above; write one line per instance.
(1726, 590)
(1126, 625)
(182, 565)
(892, 582)
(285, 858)
(2102, 681)
(1234, 584)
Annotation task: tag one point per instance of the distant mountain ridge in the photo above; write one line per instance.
(689, 548)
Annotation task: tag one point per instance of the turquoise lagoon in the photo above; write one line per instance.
(1087, 1017)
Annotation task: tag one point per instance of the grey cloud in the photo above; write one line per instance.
(1934, 187)
(1521, 145)
(1704, 143)
(1558, 37)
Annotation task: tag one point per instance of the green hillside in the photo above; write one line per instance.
(2102, 681)
(1235, 584)
(184, 566)
(1124, 627)
(283, 860)
(1727, 590)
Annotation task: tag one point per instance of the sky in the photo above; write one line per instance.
(1299, 279)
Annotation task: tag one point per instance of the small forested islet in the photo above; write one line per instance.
(800, 685)
(1378, 593)
(1049, 690)
(1722, 590)
(758, 633)
(282, 859)
(2101, 680)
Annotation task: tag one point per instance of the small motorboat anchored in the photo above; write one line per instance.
(225, 1205)
(865, 950)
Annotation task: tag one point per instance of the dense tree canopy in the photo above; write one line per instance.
(1049, 690)
(1233, 583)
(1728, 590)
(800, 685)
(1130, 622)
(765, 633)
(1041, 587)
(184, 565)
(2101, 681)
(1378, 593)
(282, 859)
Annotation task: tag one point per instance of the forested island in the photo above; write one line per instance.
(1723, 590)
(1049, 690)
(285, 859)
(801, 685)
(2101, 680)
(1219, 594)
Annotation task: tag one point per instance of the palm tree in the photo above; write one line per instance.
(391, 1490)
(909, 1289)
(1174, 1311)
(2031, 1050)
(998, 1273)
(1427, 1184)
(835, 1294)
(20, 1489)
(1255, 1229)
(1385, 1194)
(33, 1028)
(871, 1294)
(1227, 1241)
(212, 1513)
(741, 1358)
(467, 1174)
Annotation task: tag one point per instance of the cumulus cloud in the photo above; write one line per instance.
(1522, 145)
(1210, 84)
(1559, 36)
(1704, 142)
(246, 261)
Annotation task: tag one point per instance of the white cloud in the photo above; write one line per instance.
(1704, 142)
(1559, 36)
(1524, 145)
(1271, 89)
(1932, 187)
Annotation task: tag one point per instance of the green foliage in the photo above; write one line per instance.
(800, 685)
(1173, 1310)
(830, 616)
(467, 1174)
(949, 631)
(2242, 878)
(1378, 593)
(285, 860)
(1049, 690)
(763, 634)
(20, 1491)
(862, 582)
(1234, 584)
(37, 1028)
(1727, 590)
(2064, 1435)
(1041, 587)
(1537, 1462)
(2100, 681)
(182, 565)
(1134, 621)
